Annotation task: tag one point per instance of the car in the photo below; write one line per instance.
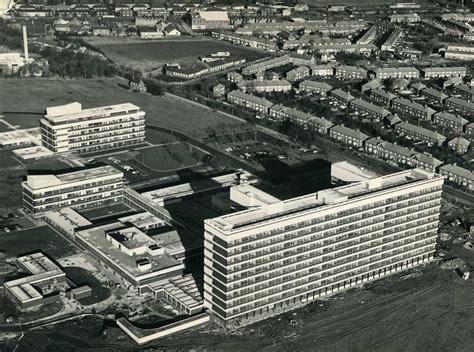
(6, 229)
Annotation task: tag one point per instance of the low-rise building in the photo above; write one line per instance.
(266, 65)
(249, 101)
(298, 73)
(461, 105)
(413, 109)
(301, 59)
(437, 72)
(405, 17)
(459, 52)
(372, 84)
(369, 36)
(390, 152)
(460, 145)
(244, 40)
(382, 97)
(42, 286)
(397, 72)
(234, 77)
(375, 112)
(136, 259)
(458, 175)
(218, 90)
(350, 72)
(321, 88)
(348, 136)
(341, 96)
(205, 20)
(470, 131)
(265, 86)
(450, 121)
(426, 162)
(464, 91)
(19, 138)
(320, 124)
(281, 112)
(419, 134)
(392, 40)
(34, 153)
(322, 70)
(434, 95)
(76, 189)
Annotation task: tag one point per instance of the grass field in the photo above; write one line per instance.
(22, 120)
(151, 55)
(11, 175)
(3, 126)
(38, 238)
(48, 164)
(37, 94)
(168, 158)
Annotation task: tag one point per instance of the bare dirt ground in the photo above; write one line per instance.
(425, 309)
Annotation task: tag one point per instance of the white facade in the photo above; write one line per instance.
(70, 128)
(78, 189)
(273, 258)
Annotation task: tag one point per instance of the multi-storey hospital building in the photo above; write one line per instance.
(70, 128)
(277, 256)
(77, 189)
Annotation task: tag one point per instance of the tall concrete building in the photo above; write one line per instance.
(272, 258)
(77, 189)
(71, 128)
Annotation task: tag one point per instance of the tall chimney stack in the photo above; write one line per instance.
(25, 43)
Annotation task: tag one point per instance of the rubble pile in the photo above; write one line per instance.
(452, 264)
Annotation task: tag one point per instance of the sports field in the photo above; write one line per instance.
(148, 55)
(37, 94)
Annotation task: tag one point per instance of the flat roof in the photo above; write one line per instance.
(36, 151)
(74, 111)
(131, 237)
(19, 135)
(185, 189)
(42, 181)
(37, 263)
(274, 212)
(142, 220)
(348, 172)
(68, 219)
(96, 238)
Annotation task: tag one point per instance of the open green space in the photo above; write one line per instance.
(149, 55)
(169, 157)
(4, 127)
(22, 120)
(83, 277)
(11, 176)
(52, 164)
(37, 94)
(7, 160)
(36, 239)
